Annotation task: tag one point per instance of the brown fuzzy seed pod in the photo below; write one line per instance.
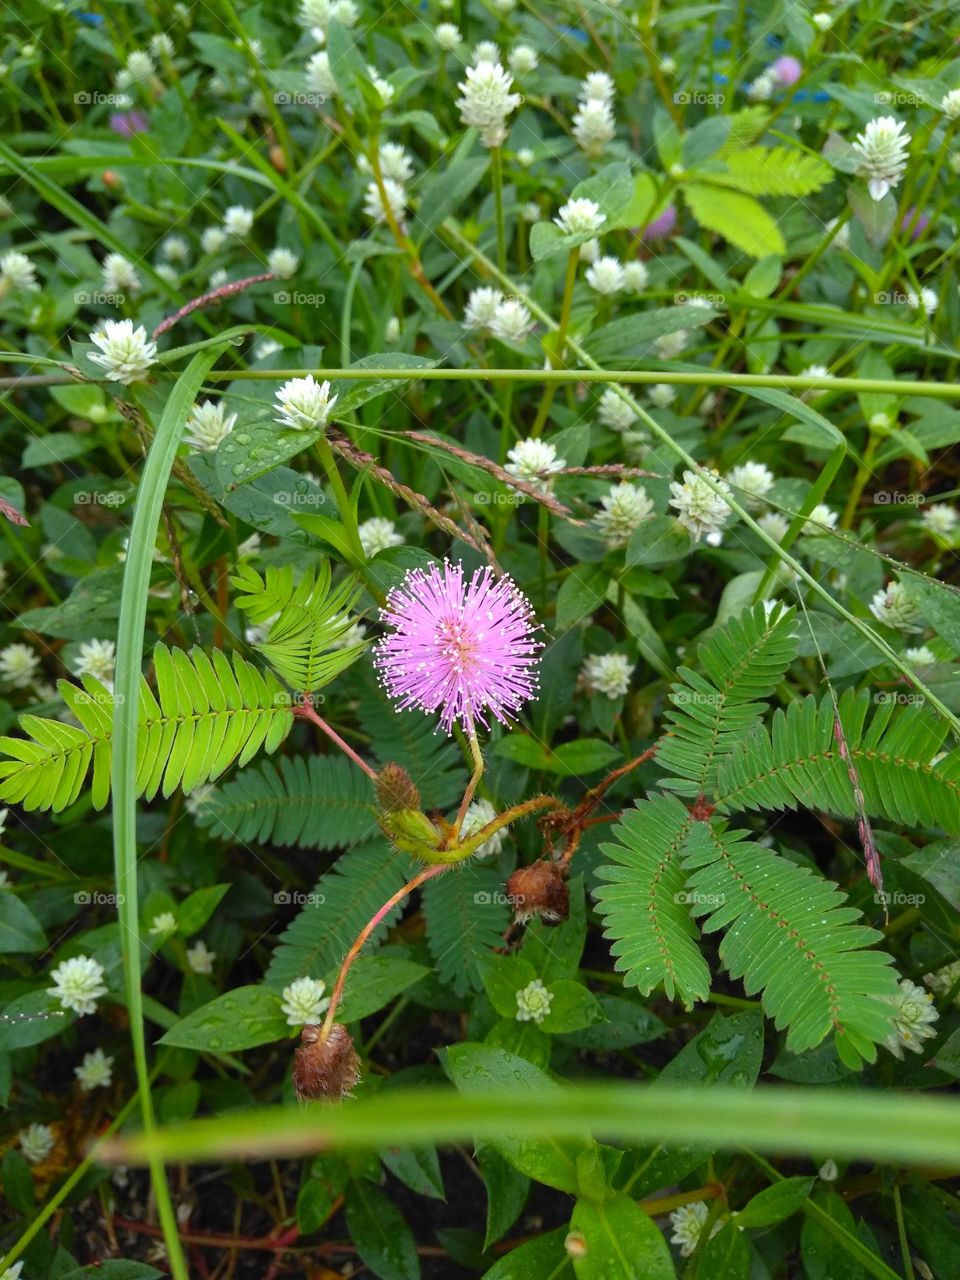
(396, 789)
(539, 890)
(326, 1069)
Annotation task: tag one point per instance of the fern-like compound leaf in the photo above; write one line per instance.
(743, 663)
(644, 902)
(206, 714)
(308, 622)
(321, 802)
(789, 934)
(800, 761)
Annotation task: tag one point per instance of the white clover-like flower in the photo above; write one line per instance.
(140, 67)
(282, 262)
(481, 307)
(448, 36)
(396, 201)
(607, 673)
(635, 276)
(97, 658)
(944, 980)
(319, 75)
(940, 519)
(893, 607)
(199, 958)
(828, 1171)
(95, 1071)
(17, 271)
(119, 275)
(597, 85)
(213, 239)
(238, 220)
(161, 46)
(913, 1018)
(536, 462)
(662, 395)
(304, 1002)
(589, 250)
(668, 66)
(820, 520)
(688, 1222)
(511, 321)
(175, 249)
(78, 984)
(950, 104)
(217, 278)
(533, 1002)
(525, 158)
(385, 90)
(669, 345)
(606, 275)
(821, 20)
(208, 425)
(266, 347)
(317, 14)
(125, 353)
(487, 101)
(395, 162)
(774, 525)
(479, 813)
(625, 508)
(36, 1142)
(763, 87)
(920, 656)
(927, 300)
(163, 925)
(522, 59)
(485, 51)
(166, 272)
(700, 510)
(615, 412)
(580, 217)
(816, 371)
(18, 666)
(377, 534)
(594, 126)
(504, 7)
(391, 330)
(882, 152)
(753, 479)
(304, 403)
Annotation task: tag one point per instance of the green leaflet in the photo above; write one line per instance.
(207, 713)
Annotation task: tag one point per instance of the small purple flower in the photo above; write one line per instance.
(921, 224)
(458, 648)
(662, 225)
(787, 70)
(127, 123)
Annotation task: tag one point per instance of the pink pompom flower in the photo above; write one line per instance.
(787, 70)
(461, 648)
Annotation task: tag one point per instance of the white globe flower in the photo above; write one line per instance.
(913, 1018)
(820, 520)
(481, 307)
(163, 925)
(161, 46)
(671, 344)
(753, 480)
(487, 101)
(950, 104)
(304, 1002)
(36, 1142)
(625, 508)
(140, 67)
(893, 607)
(17, 271)
(662, 395)
(119, 275)
(635, 276)
(485, 51)
(926, 300)
(607, 673)
(511, 321)
(213, 239)
(199, 958)
(940, 519)
(175, 249)
(448, 36)
(580, 217)
(774, 525)
(688, 1222)
(78, 984)
(95, 1071)
(395, 162)
(238, 220)
(479, 813)
(822, 21)
(18, 666)
(533, 1002)
(320, 75)
(615, 412)
(700, 509)
(396, 201)
(920, 656)
(377, 535)
(536, 462)
(304, 404)
(208, 425)
(125, 353)
(882, 150)
(598, 86)
(605, 276)
(589, 250)
(594, 126)
(282, 262)
(97, 658)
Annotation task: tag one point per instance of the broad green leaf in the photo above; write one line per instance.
(238, 1019)
(775, 1203)
(739, 218)
(384, 1241)
(19, 928)
(621, 1242)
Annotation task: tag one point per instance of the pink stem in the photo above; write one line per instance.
(304, 709)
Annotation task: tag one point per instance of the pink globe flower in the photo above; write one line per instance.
(463, 649)
(662, 226)
(919, 226)
(787, 70)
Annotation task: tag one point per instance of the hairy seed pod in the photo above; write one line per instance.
(396, 789)
(325, 1068)
(539, 890)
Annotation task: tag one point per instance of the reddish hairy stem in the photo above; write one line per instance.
(307, 712)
